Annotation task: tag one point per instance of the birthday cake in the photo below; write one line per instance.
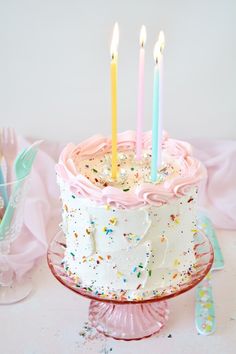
(128, 237)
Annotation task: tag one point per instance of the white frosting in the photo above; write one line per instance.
(113, 250)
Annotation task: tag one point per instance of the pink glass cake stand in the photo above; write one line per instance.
(125, 319)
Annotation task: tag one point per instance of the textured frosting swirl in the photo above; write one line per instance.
(174, 151)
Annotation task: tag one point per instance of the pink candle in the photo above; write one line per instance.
(140, 110)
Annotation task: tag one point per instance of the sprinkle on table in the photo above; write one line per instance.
(176, 262)
(175, 218)
(106, 230)
(163, 238)
(66, 207)
(194, 230)
(119, 274)
(113, 221)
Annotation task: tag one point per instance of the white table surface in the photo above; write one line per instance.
(52, 319)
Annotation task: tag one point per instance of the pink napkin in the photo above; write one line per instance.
(218, 197)
(42, 209)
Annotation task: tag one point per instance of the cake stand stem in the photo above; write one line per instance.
(128, 321)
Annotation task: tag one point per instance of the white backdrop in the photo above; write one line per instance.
(54, 66)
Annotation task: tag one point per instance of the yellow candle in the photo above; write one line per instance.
(114, 117)
(114, 45)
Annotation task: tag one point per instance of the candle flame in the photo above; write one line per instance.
(161, 39)
(143, 36)
(157, 52)
(159, 47)
(115, 41)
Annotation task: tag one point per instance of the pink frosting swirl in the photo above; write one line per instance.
(191, 172)
(153, 194)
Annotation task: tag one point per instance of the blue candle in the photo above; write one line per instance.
(161, 41)
(155, 119)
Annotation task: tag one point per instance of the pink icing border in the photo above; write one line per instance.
(192, 172)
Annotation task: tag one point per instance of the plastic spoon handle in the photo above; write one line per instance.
(205, 224)
(9, 212)
(205, 308)
(3, 191)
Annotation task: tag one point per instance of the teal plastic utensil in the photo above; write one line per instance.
(3, 190)
(205, 308)
(22, 166)
(205, 224)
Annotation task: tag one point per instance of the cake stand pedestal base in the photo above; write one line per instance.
(128, 321)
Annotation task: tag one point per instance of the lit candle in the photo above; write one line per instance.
(155, 114)
(161, 40)
(114, 55)
(140, 109)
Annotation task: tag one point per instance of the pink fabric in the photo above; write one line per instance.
(42, 210)
(218, 196)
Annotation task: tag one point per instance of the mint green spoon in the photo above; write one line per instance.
(22, 166)
(205, 308)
